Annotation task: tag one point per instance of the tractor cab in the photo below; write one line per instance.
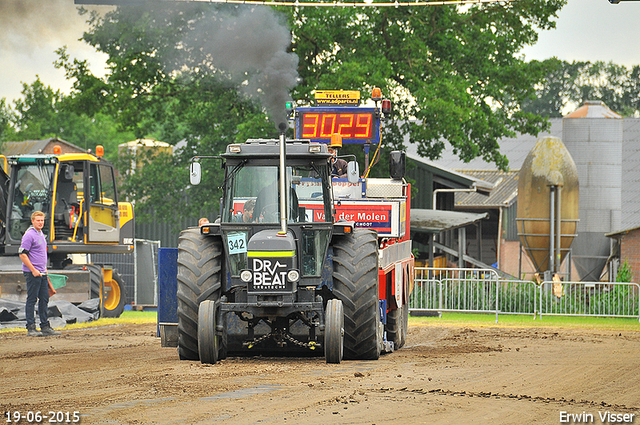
(29, 189)
(252, 186)
(251, 210)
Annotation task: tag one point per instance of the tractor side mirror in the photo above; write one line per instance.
(195, 173)
(353, 172)
(397, 165)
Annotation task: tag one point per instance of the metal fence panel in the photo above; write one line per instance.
(605, 299)
(124, 264)
(517, 297)
(483, 291)
(454, 289)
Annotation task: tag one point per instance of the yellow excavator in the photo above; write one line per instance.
(78, 194)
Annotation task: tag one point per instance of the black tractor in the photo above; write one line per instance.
(275, 274)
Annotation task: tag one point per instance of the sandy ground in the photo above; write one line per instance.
(482, 375)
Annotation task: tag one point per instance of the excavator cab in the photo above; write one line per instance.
(29, 190)
(77, 195)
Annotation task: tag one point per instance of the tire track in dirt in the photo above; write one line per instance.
(536, 399)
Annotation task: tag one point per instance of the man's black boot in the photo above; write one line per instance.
(31, 331)
(48, 331)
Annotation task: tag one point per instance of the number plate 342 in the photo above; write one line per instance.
(237, 243)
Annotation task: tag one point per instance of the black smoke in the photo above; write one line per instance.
(249, 45)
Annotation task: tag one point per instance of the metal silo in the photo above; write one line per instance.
(593, 135)
(547, 215)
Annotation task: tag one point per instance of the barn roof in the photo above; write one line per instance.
(38, 146)
(436, 221)
(504, 193)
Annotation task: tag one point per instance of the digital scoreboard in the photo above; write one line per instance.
(354, 124)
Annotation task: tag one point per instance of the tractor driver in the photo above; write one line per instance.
(246, 216)
(267, 206)
(338, 165)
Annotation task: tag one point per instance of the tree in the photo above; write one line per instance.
(613, 84)
(37, 113)
(570, 84)
(6, 117)
(454, 72)
(162, 84)
(557, 89)
(43, 113)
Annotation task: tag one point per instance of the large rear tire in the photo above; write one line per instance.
(199, 279)
(334, 332)
(355, 283)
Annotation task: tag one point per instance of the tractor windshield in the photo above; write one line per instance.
(252, 194)
(31, 192)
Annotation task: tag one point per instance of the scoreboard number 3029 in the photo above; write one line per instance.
(350, 125)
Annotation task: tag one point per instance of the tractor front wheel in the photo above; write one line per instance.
(207, 339)
(334, 332)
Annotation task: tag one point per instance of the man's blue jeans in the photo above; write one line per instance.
(37, 290)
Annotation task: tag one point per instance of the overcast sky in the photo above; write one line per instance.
(31, 30)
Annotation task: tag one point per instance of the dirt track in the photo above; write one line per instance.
(120, 374)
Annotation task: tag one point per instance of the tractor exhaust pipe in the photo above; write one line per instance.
(283, 173)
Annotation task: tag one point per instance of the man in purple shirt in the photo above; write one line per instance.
(33, 253)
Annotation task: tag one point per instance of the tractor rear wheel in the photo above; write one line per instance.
(355, 283)
(199, 279)
(334, 332)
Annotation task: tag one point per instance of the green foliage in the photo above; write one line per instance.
(556, 90)
(42, 113)
(161, 169)
(572, 84)
(453, 73)
(6, 118)
(37, 113)
(161, 85)
(625, 274)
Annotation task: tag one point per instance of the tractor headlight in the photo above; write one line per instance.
(245, 276)
(293, 275)
(315, 148)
